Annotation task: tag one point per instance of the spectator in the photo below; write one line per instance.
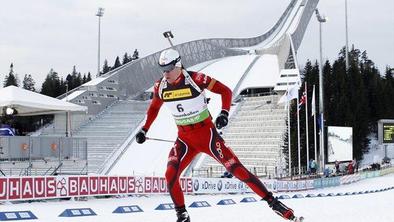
(327, 172)
(312, 165)
(309, 170)
(226, 174)
(350, 168)
(386, 160)
(375, 166)
(342, 168)
(355, 165)
(337, 171)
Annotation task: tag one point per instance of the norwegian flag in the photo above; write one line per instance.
(302, 99)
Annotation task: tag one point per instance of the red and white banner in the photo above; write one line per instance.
(25, 188)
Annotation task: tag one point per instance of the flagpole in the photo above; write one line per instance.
(288, 134)
(290, 94)
(307, 128)
(298, 132)
(288, 123)
(314, 120)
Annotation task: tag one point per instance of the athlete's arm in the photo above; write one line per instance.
(211, 84)
(225, 93)
(153, 109)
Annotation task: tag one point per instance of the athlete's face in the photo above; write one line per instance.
(172, 75)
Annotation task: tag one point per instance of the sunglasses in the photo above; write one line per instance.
(170, 66)
(167, 68)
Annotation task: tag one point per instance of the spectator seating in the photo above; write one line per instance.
(255, 134)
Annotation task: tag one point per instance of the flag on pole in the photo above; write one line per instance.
(313, 102)
(306, 125)
(318, 122)
(302, 100)
(290, 94)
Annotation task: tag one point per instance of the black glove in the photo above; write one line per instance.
(222, 119)
(140, 137)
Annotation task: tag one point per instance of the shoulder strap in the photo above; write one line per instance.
(188, 78)
(162, 84)
(191, 81)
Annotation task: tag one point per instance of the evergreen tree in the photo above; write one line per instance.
(356, 98)
(89, 77)
(11, 79)
(388, 94)
(78, 80)
(311, 77)
(117, 63)
(135, 55)
(382, 99)
(359, 106)
(371, 78)
(294, 135)
(106, 68)
(285, 146)
(74, 79)
(69, 81)
(126, 58)
(389, 75)
(28, 83)
(63, 87)
(84, 78)
(52, 85)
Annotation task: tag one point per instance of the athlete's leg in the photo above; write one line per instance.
(226, 156)
(179, 158)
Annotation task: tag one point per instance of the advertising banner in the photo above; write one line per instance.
(218, 185)
(285, 185)
(25, 188)
(350, 178)
(49, 187)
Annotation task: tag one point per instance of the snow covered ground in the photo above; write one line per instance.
(372, 207)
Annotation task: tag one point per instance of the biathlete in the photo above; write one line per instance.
(183, 93)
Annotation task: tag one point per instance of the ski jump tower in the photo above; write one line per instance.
(131, 79)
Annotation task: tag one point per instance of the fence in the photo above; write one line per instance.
(21, 148)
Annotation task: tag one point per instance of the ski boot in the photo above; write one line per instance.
(281, 209)
(182, 215)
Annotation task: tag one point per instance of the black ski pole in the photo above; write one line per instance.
(162, 140)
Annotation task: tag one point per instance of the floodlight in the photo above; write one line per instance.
(10, 111)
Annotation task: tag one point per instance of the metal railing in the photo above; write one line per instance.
(21, 148)
(217, 171)
(22, 151)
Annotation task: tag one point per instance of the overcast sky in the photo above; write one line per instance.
(43, 34)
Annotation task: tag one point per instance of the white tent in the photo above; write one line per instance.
(28, 103)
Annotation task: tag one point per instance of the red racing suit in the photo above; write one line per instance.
(196, 131)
